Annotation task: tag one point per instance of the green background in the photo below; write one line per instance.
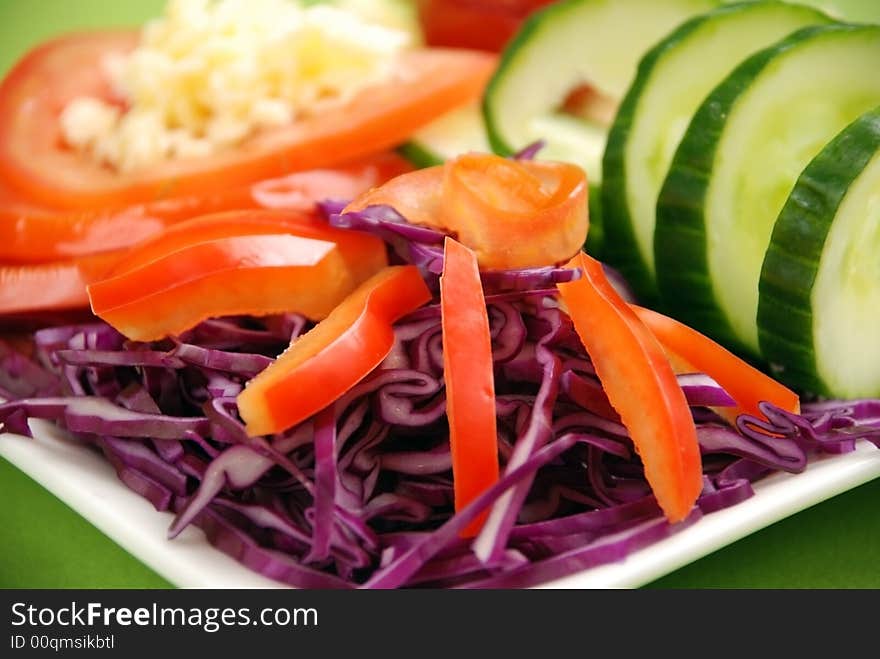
(43, 544)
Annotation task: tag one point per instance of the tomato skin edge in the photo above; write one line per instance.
(30, 233)
(428, 82)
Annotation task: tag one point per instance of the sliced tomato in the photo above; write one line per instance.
(251, 274)
(336, 354)
(33, 159)
(486, 24)
(513, 214)
(363, 254)
(641, 386)
(32, 233)
(470, 384)
(697, 353)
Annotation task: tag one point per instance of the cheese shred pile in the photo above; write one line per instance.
(209, 74)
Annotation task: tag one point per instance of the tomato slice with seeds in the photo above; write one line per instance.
(35, 162)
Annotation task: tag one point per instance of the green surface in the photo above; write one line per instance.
(25, 23)
(43, 544)
(46, 545)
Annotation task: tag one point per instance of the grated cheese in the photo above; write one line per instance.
(209, 74)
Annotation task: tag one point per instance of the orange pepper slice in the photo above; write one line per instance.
(641, 386)
(699, 354)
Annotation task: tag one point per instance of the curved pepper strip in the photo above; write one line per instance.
(512, 214)
(641, 386)
(516, 214)
(470, 384)
(336, 354)
(61, 285)
(699, 354)
(363, 254)
(254, 274)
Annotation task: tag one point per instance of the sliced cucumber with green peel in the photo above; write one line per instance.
(565, 46)
(856, 11)
(672, 80)
(738, 161)
(451, 135)
(819, 306)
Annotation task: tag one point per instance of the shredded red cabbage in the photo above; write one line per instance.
(530, 151)
(361, 494)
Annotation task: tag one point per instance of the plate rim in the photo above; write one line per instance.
(84, 481)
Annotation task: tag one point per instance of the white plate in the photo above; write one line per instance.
(88, 484)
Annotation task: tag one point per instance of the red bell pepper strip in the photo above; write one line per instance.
(336, 354)
(641, 386)
(516, 214)
(364, 254)
(470, 384)
(254, 275)
(61, 285)
(746, 385)
(54, 286)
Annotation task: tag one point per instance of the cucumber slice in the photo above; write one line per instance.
(854, 11)
(819, 304)
(672, 80)
(454, 133)
(565, 46)
(739, 159)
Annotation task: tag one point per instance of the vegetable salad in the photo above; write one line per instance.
(346, 369)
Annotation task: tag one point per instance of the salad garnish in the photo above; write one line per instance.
(318, 451)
